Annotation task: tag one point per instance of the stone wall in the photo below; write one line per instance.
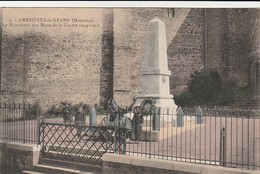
(52, 64)
(115, 163)
(94, 64)
(116, 168)
(17, 156)
(107, 65)
(243, 44)
(185, 52)
(233, 43)
(216, 32)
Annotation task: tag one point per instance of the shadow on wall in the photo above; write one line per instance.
(185, 50)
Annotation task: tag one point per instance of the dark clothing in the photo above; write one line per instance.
(137, 125)
(80, 121)
(80, 118)
(67, 115)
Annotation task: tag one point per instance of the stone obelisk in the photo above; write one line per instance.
(155, 72)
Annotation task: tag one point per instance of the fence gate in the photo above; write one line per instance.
(63, 141)
(19, 122)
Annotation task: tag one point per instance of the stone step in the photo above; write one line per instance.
(55, 170)
(94, 168)
(79, 157)
(75, 150)
(30, 172)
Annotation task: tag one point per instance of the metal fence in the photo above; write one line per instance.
(79, 143)
(19, 123)
(224, 137)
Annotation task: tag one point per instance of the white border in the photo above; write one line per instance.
(176, 4)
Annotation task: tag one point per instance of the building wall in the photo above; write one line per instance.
(51, 64)
(107, 63)
(186, 50)
(216, 36)
(233, 43)
(94, 64)
(243, 43)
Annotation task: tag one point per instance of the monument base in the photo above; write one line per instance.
(167, 105)
(164, 103)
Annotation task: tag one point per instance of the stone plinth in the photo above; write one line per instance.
(18, 156)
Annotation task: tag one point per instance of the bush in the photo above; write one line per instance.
(100, 110)
(205, 88)
(208, 90)
(32, 111)
(184, 99)
(56, 110)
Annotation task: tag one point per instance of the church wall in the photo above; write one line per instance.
(243, 44)
(50, 64)
(93, 64)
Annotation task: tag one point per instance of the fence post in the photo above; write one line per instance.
(124, 141)
(92, 117)
(156, 119)
(115, 137)
(224, 147)
(199, 114)
(24, 110)
(43, 137)
(222, 152)
(37, 126)
(5, 132)
(1, 121)
(180, 117)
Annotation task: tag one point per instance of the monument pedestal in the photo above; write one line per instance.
(163, 103)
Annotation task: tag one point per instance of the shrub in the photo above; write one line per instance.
(184, 99)
(56, 110)
(205, 88)
(100, 110)
(32, 111)
(208, 90)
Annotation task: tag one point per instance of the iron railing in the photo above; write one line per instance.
(19, 123)
(223, 137)
(226, 137)
(80, 143)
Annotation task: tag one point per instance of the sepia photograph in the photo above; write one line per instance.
(130, 89)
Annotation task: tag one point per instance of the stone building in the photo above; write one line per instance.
(91, 55)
